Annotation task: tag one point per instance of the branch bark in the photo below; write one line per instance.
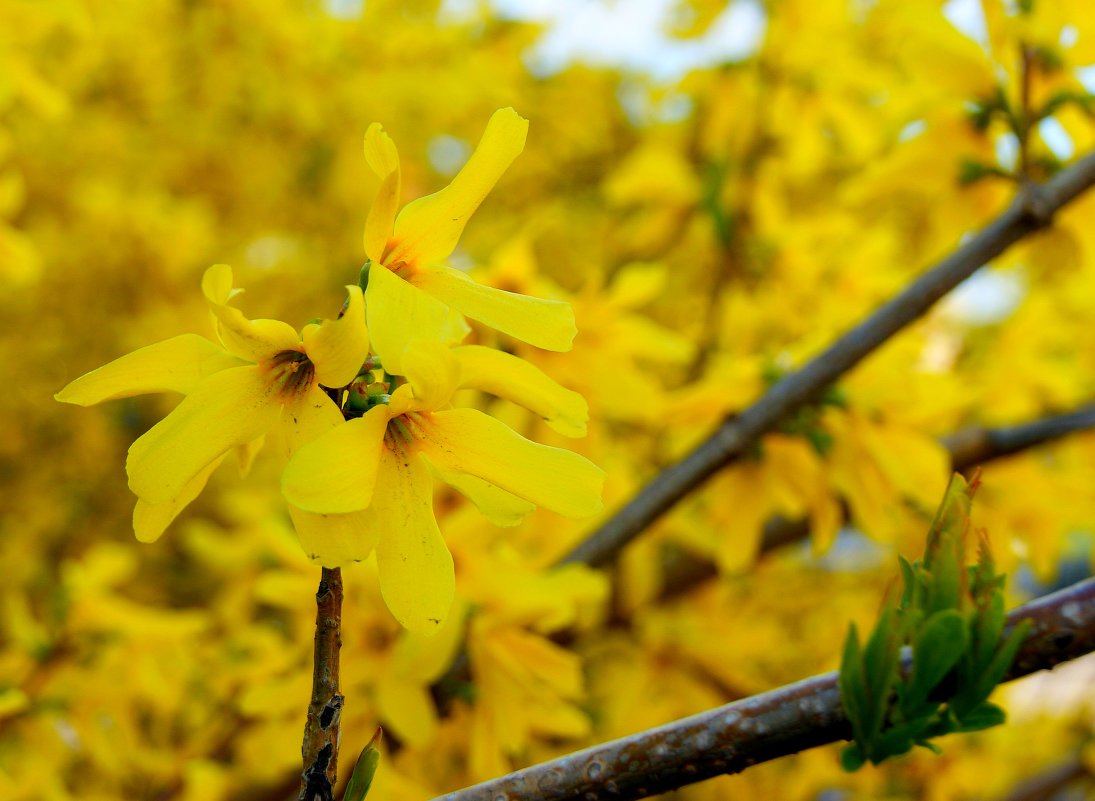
(321, 730)
(1032, 210)
(973, 446)
(731, 738)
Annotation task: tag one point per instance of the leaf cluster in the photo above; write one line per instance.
(951, 618)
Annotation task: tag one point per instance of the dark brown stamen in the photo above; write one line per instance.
(292, 372)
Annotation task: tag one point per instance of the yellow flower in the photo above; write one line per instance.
(411, 296)
(265, 377)
(381, 462)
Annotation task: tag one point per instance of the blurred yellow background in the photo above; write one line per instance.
(717, 200)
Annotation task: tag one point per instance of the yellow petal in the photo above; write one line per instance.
(337, 471)
(335, 540)
(381, 219)
(150, 520)
(338, 348)
(246, 453)
(403, 401)
(226, 409)
(423, 658)
(217, 284)
(746, 493)
(253, 340)
(500, 507)
(428, 229)
(383, 159)
(398, 313)
(432, 372)
(174, 365)
(307, 417)
(514, 379)
(380, 152)
(547, 324)
(468, 441)
(408, 709)
(416, 570)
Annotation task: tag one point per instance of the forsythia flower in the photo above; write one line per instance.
(381, 462)
(410, 292)
(265, 376)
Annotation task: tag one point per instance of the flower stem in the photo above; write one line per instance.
(321, 730)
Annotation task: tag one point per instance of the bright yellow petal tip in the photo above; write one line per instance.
(253, 340)
(174, 365)
(339, 347)
(514, 379)
(547, 324)
(427, 230)
(383, 159)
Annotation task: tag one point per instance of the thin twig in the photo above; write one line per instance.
(768, 726)
(1032, 210)
(968, 448)
(321, 731)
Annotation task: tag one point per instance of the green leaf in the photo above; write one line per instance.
(935, 749)
(944, 556)
(911, 580)
(900, 739)
(364, 770)
(880, 668)
(984, 716)
(938, 646)
(852, 688)
(851, 758)
(988, 627)
(992, 674)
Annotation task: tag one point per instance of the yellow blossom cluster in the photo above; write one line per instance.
(703, 236)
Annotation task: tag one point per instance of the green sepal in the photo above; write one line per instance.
(363, 276)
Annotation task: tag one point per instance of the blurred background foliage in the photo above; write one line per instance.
(714, 222)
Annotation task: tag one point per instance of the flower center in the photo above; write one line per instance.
(291, 372)
(402, 269)
(402, 433)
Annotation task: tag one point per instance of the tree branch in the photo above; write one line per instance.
(1031, 210)
(731, 738)
(968, 448)
(321, 730)
(974, 446)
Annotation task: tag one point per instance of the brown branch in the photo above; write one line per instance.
(321, 730)
(968, 448)
(1032, 210)
(731, 738)
(974, 446)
